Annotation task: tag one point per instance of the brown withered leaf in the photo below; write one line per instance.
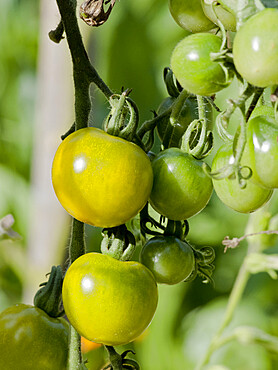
(93, 13)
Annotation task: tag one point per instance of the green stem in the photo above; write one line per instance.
(77, 241)
(201, 108)
(74, 358)
(115, 359)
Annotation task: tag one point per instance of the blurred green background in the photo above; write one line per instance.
(36, 107)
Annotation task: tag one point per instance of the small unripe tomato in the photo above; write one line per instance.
(169, 259)
(100, 179)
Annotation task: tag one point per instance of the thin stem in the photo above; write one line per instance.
(74, 358)
(151, 124)
(77, 242)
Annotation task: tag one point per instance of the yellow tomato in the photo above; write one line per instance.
(100, 179)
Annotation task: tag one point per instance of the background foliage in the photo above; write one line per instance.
(129, 51)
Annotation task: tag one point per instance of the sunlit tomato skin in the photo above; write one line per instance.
(169, 259)
(188, 114)
(228, 190)
(255, 49)
(190, 15)
(193, 67)
(109, 301)
(263, 110)
(262, 145)
(30, 339)
(181, 188)
(100, 179)
(215, 12)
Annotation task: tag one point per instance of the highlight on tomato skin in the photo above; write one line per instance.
(109, 301)
(99, 179)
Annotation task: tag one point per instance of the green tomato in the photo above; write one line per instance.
(263, 110)
(193, 67)
(169, 259)
(255, 49)
(190, 15)
(262, 148)
(30, 339)
(188, 114)
(215, 12)
(228, 190)
(109, 301)
(181, 188)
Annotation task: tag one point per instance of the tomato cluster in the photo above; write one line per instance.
(105, 180)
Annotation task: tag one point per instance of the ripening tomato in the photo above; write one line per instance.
(169, 259)
(193, 67)
(100, 179)
(262, 148)
(190, 15)
(255, 49)
(217, 12)
(30, 339)
(180, 188)
(228, 190)
(109, 301)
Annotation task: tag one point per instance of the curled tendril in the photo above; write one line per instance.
(204, 267)
(173, 88)
(118, 242)
(145, 218)
(126, 363)
(196, 140)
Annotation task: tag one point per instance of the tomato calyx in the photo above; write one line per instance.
(123, 118)
(204, 267)
(119, 361)
(118, 242)
(48, 297)
(173, 86)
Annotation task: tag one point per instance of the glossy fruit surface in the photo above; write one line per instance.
(228, 190)
(109, 301)
(169, 259)
(193, 67)
(100, 179)
(215, 12)
(262, 143)
(190, 15)
(255, 49)
(30, 339)
(181, 188)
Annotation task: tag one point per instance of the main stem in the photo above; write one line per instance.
(83, 74)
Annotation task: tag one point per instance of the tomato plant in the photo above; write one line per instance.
(109, 301)
(190, 15)
(101, 179)
(262, 148)
(229, 191)
(169, 259)
(255, 49)
(217, 12)
(194, 68)
(181, 188)
(30, 339)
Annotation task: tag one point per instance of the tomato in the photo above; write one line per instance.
(30, 339)
(189, 15)
(192, 65)
(181, 188)
(188, 114)
(228, 190)
(100, 179)
(263, 110)
(262, 147)
(255, 49)
(169, 259)
(215, 12)
(109, 301)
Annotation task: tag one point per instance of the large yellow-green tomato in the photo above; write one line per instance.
(255, 49)
(100, 179)
(228, 190)
(30, 339)
(189, 15)
(109, 301)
